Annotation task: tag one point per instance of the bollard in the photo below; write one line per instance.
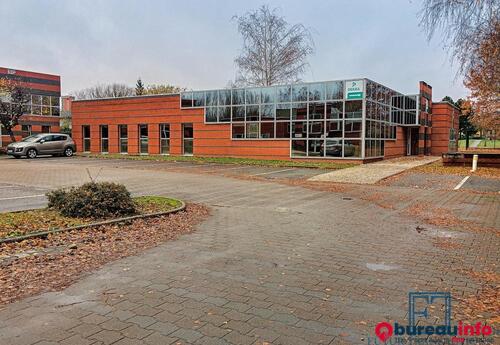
(474, 163)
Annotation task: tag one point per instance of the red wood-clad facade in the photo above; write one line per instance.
(45, 108)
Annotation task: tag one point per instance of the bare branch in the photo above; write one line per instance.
(273, 51)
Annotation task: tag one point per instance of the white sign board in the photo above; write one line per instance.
(354, 89)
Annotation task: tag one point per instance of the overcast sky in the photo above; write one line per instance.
(193, 43)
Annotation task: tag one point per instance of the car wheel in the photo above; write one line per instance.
(31, 153)
(68, 152)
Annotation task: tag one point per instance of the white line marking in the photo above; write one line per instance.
(273, 172)
(461, 183)
(22, 197)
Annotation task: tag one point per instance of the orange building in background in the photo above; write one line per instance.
(42, 115)
(354, 120)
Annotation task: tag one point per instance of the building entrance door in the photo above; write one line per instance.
(411, 141)
(187, 139)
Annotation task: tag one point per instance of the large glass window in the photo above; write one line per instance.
(283, 130)
(224, 114)
(252, 130)
(334, 90)
(283, 111)
(199, 99)
(86, 138)
(352, 148)
(267, 112)
(299, 148)
(143, 139)
(299, 111)
(316, 111)
(104, 138)
(238, 131)
(354, 109)
(267, 130)
(333, 148)
(187, 99)
(164, 138)
(238, 113)
(123, 135)
(316, 92)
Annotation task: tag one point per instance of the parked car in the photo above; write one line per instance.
(333, 148)
(43, 144)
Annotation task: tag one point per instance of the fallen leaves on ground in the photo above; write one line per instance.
(24, 222)
(63, 257)
(486, 303)
(439, 168)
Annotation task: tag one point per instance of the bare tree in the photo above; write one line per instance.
(464, 24)
(13, 102)
(105, 91)
(274, 51)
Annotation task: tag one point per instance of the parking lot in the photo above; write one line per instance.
(275, 263)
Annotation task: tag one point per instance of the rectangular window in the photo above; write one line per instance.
(123, 132)
(104, 139)
(299, 148)
(316, 111)
(353, 109)
(333, 148)
(267, 130)
(86, 138)
(282, 130)
(282, 111)
(187, 139)
(352, 148)
(352, 129)
(238, 130)
(252, 130)
(26, 129)
(45, 129)
(143, 139)
(164, 138)
(239, 113)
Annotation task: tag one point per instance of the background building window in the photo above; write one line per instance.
(45, 129)
(26, 130)
(164, 139)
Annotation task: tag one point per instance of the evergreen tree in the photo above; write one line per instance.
(139, 87)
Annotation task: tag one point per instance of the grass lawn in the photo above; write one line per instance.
(483, 144)
(227, 160)
(489, 144)
(24, 222)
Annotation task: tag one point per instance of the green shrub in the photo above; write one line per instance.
(96, 200)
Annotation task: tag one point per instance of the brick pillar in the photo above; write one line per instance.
(133, 139)
(176, 139)
(95, 139)
(154, 138)
(114, 146)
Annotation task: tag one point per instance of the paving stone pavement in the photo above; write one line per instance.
(273, 263)
(374, 172)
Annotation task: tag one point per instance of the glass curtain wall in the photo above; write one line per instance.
(318, 118)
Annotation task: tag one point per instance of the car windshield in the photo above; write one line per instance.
(32, 138)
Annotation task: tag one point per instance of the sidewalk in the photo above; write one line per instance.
(374, 172)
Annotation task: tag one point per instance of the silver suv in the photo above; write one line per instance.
(43, 144)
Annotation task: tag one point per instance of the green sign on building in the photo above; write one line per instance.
(354, 89)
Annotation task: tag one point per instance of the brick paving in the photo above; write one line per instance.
(274, 263)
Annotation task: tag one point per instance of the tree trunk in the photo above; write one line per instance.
(11, 135)
(466, 140)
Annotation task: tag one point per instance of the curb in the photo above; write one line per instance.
(91, 225)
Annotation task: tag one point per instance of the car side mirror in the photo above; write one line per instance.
(42, 141)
